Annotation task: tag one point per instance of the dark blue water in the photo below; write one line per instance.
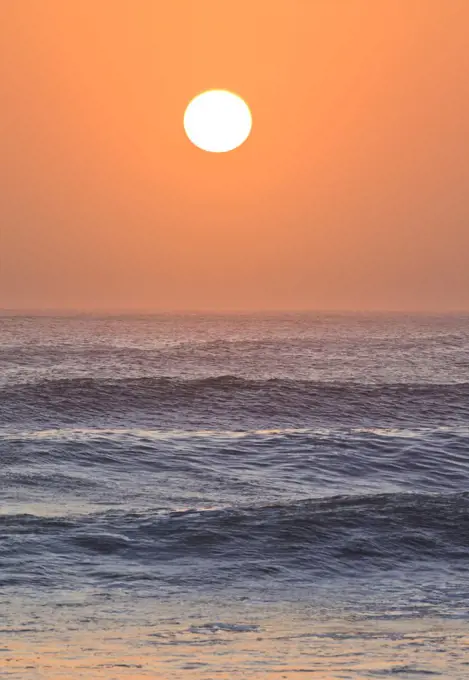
(273, 458)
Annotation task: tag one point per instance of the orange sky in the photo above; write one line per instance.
(352, 191)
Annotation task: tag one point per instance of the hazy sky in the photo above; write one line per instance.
(352, 192)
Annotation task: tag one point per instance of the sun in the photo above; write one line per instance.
(218, 121)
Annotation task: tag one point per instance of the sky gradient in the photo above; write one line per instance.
(351, 193)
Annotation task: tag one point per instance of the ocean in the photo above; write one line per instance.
(242, 496)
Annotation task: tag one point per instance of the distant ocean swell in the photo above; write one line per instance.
(279, 400)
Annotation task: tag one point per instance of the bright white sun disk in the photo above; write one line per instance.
(217, 121)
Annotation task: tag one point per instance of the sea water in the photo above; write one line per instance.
(242, 496)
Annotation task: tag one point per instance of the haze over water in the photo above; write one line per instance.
(246, 496)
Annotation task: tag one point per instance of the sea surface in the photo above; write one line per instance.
(224, 497)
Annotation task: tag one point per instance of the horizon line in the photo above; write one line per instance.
(128, 311)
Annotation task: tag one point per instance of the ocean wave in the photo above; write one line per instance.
(323, 536)
(283, 402)
(222, 464)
